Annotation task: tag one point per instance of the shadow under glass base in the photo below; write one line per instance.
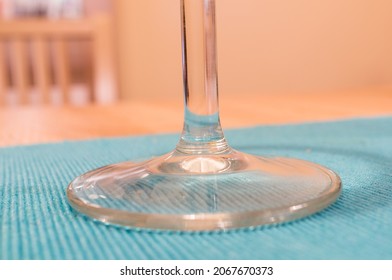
(204, 192)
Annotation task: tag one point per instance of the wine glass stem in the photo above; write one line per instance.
(202, 133)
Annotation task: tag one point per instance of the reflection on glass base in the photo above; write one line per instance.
(204, 192)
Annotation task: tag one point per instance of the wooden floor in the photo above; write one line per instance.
(43, 124)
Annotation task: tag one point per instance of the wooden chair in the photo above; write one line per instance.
(29, 41)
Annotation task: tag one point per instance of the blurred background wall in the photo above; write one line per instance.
(263, 46)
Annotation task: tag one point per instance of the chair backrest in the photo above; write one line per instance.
(40, 46)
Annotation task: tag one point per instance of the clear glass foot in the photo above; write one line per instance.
(204, 192)
(203, 184)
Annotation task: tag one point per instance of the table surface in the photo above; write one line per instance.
(37, 222)
(44, 124)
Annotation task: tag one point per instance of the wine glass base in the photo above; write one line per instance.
(204, 192)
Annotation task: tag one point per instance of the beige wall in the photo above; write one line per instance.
(263, 46)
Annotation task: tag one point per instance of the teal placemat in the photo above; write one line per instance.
(37, 223)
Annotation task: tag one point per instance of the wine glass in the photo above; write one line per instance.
(203, 184)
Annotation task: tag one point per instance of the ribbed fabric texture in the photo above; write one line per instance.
(36, 221)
